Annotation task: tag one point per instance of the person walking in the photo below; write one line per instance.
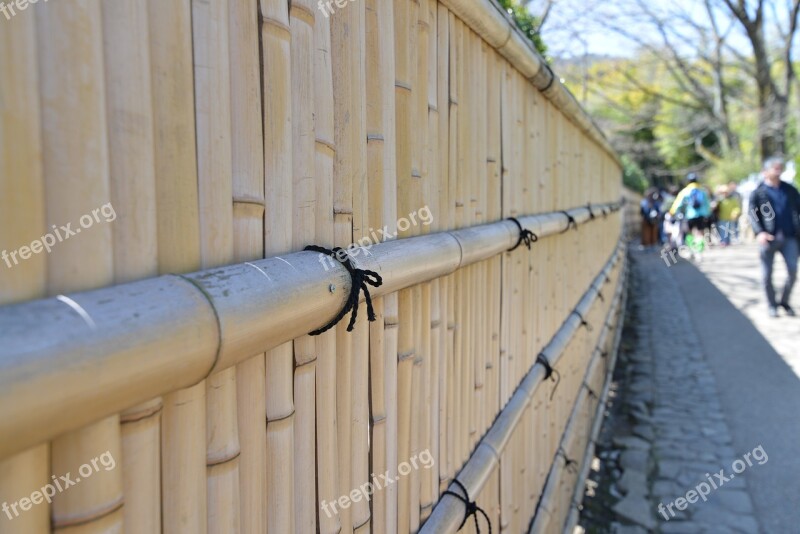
(650, 208)
(730, 208)
(693, 201)
(775, 218)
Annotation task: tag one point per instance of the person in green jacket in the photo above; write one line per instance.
(730, 209)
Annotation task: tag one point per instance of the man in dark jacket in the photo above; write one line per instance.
(775, 217)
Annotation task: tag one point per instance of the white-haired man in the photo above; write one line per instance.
(775, 217)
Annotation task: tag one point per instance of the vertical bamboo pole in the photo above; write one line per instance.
(382, 210)
(133, 190)
(213, 118)
(480, 285)
(357, 167)
(457, 176)
(183, 417)
(76, 178)
(442, 67)
(429, 490)
(420, 414)
(247, 146)
(403, 39)
(183, 480)
(276, 83)
(350, 213)
(494, 212)
(506, 334)
(301, 21)
(21, 222)
(326, 431)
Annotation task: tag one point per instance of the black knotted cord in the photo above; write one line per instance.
(589, 207)
(570, 221)
(568, 461)
(583, 321)
(600, 296)
(525, 235)
(471, 509)
(360, 278)
(549, 372)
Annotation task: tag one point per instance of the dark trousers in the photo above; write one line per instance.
(789, 250)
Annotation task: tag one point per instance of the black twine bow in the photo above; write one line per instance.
(583, 321)
(568, 462)
(603, 353)
(549, 372)
(600, 296)
(570, 222)
(471, 508)
(360, 278)
(605, 213)
(590, 391)
(525, 235)
(589, 207)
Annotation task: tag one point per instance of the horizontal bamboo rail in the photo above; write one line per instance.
(586, 463)
(112, 348)
(546, 517)
(449, 513)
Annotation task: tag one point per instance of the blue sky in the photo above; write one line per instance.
(578, 26)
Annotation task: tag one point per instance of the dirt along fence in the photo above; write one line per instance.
(168, 355)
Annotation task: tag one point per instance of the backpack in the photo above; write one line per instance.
(697, 198)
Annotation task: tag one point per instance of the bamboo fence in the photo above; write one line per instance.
(226, 136)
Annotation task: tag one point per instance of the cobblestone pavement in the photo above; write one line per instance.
(667, 439)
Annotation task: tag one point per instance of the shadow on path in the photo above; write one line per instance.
(759, 394)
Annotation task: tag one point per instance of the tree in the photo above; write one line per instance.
(773, 96)
(527, 23)
(702, 46)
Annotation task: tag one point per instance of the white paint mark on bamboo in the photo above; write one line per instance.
(286, 262)
(79, 309)
(259, 269)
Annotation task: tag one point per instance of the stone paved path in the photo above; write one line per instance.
(754, 360)
(676, 429)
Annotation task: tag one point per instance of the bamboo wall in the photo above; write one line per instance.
(224, 131)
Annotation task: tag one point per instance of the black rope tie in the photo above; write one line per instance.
(600, 296)
(471, 509)
(570, 222)
(525, 236)
(590, 391)
(608, 279)
(603, 353)
(605, 213)
(549, 372)
(589, 207)
(569, 464)
(360, 279)
(583, 321)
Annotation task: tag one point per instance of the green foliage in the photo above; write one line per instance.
(528, 23)
(633, 176)
(797, 175)
(731, 169)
